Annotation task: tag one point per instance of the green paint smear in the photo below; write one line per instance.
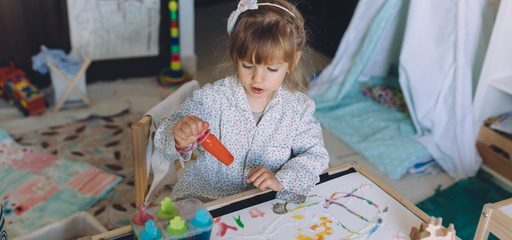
(238, 221)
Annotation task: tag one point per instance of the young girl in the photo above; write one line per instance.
(260, 114)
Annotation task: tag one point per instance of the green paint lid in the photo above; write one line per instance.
(177, 226)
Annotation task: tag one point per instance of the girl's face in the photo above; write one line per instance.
(261, 81)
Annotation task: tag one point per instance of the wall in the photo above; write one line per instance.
(327, 21)
(27, 24)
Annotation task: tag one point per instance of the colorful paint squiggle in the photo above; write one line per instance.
(304, 205)
(333, 200)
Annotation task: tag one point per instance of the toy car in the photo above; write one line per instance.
(16, 88)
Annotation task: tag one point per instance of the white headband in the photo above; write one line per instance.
(245, 5)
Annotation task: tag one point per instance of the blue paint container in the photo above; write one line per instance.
(203, 221)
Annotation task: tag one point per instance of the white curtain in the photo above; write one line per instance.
(441, 58)
(440, 46)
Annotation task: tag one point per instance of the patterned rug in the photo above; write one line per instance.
(38, 189)
(102, 142)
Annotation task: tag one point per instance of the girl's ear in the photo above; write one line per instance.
(297, 58)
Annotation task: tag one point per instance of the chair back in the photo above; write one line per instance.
(142, 141)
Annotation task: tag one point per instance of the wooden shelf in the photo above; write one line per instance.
(493, 95)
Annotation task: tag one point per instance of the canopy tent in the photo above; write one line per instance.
(439, 47)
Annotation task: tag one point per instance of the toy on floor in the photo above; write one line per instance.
(141, 217)
(174, 75)
(192, 221)
(434, 231)
(16, 88)
(167, 209)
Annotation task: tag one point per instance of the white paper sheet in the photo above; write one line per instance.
(349, 207)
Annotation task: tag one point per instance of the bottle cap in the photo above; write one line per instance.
(201, 137)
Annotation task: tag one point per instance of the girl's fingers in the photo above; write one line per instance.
(186, 129)
(190, 128)
(263, 178)
(179, 134)
(206, 125)
(264, 184)
(257, 169)
(253, 174)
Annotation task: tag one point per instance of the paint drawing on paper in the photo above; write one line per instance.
(104, 29)
(349, 207)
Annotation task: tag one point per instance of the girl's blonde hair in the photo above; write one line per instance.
(268, 35)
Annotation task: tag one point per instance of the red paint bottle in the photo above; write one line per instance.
(211, 144)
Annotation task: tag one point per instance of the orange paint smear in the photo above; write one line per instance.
(319, 236)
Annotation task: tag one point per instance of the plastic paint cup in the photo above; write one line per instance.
(202, 220)
(211, 144)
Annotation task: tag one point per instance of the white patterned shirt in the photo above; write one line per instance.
(287, 141)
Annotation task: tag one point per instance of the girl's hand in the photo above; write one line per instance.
(262, 178)
(186, 129)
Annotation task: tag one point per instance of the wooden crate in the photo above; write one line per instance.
(496, 151)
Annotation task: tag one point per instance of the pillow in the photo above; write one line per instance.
(388, 96)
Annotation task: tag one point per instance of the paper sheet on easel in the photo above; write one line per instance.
(114, 29)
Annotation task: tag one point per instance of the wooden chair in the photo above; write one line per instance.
(496, 218)
(142, 134)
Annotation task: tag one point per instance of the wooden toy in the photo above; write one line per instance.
(16, 88)
(174, 75)
(434, 231)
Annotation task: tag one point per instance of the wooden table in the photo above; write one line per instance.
(238, 202)
(496, 218)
